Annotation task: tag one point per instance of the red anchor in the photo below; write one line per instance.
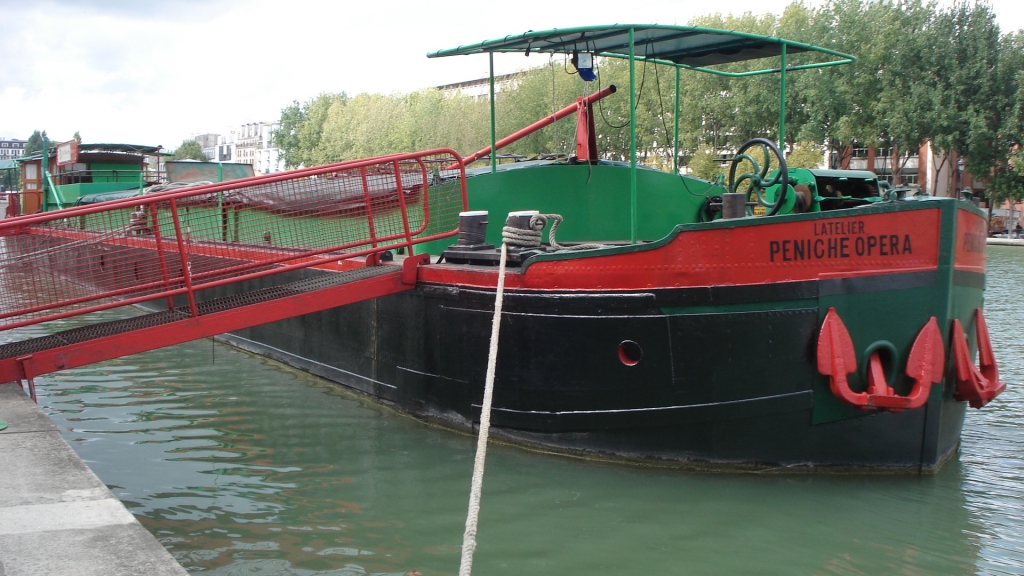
(836, 359)
(977, 386)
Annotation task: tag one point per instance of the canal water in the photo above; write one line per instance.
(243, 467)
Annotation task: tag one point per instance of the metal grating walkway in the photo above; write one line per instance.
(207, 310)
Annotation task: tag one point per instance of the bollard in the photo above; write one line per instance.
(734, 205)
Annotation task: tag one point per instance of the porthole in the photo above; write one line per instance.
(630, 353)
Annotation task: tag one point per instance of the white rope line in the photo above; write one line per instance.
(469, 538)
(531, 238)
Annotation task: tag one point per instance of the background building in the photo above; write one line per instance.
(251, 143)
(481, 87)
(254, 144)
(935, 173)
(209, 144)
(10, 149)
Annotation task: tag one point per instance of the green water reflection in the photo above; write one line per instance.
(243, 467)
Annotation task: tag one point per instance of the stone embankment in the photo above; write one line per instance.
(1005, 242)
(56, 517)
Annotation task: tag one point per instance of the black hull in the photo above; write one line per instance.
(745, 401)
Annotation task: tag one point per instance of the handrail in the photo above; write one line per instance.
(546, 121)
(89, 176)
(175, 243)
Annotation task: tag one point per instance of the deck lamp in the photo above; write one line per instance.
(584, 64)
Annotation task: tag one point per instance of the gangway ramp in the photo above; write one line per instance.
(169, 247)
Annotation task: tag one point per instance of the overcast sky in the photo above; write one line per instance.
(158, 72)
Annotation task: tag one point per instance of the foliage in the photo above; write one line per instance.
(805, 155)
(190, 150)
(34, 144)
(1006, 180)
(77, 137)
(302, 127)
(924, 73)
(704, 165)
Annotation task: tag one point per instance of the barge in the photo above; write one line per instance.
(789, 318)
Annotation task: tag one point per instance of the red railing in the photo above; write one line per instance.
(90, 258)
(543, 122)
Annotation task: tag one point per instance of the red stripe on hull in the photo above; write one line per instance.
(971, 232)
(868, 244)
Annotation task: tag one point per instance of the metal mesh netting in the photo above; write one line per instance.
(116, 253)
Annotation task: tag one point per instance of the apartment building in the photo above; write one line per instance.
(254, 144)
(932, 171)
(11, 149)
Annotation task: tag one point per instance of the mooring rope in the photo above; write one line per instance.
(531, 238)
(469, 537)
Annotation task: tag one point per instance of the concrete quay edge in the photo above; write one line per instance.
(56, 517)
(1004, 241)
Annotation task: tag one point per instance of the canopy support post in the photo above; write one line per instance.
(675, 137)
(782, 103)
(494, 134)
(632, 138)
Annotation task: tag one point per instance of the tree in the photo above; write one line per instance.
(704, 164)
(965, 63)
(34, 145)
(302, 128)
(920, 74)
(77, 137)
(190, 150)
(1006, 178)
(805, 155)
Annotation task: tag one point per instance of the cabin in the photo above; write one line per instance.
(76, 173)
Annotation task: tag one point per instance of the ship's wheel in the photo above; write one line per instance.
(756, 180)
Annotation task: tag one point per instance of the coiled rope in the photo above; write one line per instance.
(469, 537)
(531, 238)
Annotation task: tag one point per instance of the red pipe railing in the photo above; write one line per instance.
(283, 222)
(546, 121)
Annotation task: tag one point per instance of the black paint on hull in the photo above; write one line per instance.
(713, 390)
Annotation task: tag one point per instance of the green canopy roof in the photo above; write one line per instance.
(127, 148)
(689, 46)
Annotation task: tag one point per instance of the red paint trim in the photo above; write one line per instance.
(762, 253)
(971, 232)
(118, 345)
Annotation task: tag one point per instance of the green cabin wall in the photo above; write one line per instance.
(594, 200)
(104, 180)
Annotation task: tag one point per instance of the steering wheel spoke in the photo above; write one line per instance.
(758, 184)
